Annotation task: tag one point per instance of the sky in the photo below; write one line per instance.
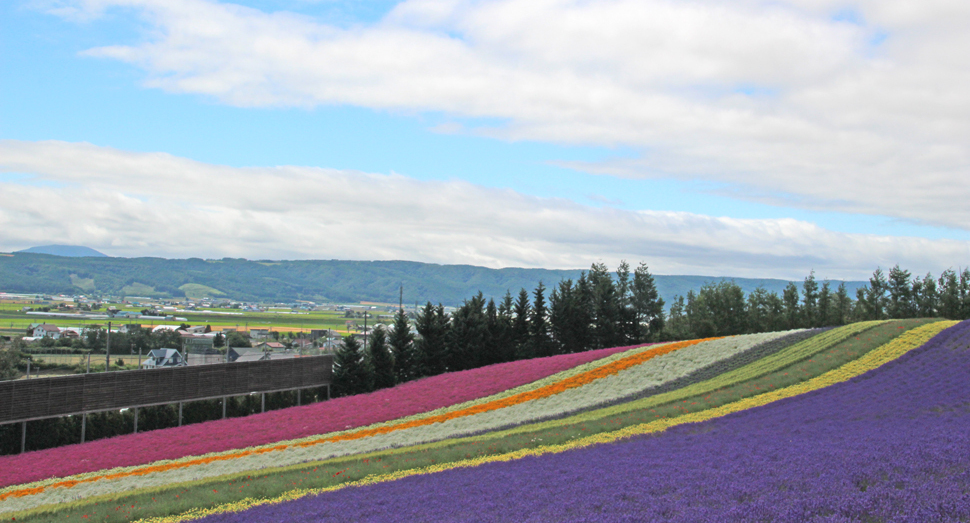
(724, 138)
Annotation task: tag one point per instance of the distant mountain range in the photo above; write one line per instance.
(312, 280)
(71, 251)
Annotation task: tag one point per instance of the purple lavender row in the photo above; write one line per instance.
(890, 445)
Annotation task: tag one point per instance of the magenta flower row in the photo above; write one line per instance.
(339, 414)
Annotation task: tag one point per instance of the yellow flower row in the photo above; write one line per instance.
(874, 359)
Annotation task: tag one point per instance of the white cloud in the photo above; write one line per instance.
(782, 100)
(135, 204)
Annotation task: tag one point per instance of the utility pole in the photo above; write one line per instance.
(107, 349)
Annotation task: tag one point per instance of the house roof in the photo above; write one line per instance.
(252, 356)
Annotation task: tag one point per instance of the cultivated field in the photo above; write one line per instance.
(866, 422)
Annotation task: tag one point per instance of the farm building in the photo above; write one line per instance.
(163, 358)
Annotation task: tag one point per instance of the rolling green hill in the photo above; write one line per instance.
(314, 280)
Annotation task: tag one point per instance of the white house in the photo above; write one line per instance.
(46, 330)
(163, 358)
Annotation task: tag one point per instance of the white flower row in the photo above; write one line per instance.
(649, 374)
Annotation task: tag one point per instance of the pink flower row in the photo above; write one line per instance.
(297, 422)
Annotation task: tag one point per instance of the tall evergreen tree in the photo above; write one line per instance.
(496, 337)
(964, 294)
(678, 325)
(568, 319)
(432, 326)
(520, 327)
(539, 324)
(381, 360)
(629, 327)
(824, 306)
(647, 305)
(506, 345)
(949, 295)
(810, 301)
(467, 335)
(725, 309)
(351, 373)
(606, 307)
(875, 296)
(401, 343)
(927, 299)
(758, 312)
(792, 311)
(900, 294)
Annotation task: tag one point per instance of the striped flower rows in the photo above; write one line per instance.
(289, 424)
(314, 448)
(872, 360)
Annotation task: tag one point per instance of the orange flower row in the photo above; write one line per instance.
(549, 390)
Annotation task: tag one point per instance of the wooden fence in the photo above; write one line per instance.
(26, 400)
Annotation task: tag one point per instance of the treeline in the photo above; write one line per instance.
(600, 310)
(597, 310)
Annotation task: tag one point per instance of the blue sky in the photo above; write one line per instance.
(693, 134)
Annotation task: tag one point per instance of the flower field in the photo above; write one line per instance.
(862, 422)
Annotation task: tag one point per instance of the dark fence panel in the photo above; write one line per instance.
(50, 397)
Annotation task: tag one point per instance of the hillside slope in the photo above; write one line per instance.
(314, 280)
(774, 426)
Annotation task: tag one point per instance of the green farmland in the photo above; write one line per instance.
(14, 321)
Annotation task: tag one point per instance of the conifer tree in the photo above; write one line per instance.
(900, 293)
(381, 360)
(496, 335)
(505, 344)
(927, 299)
(824, 306)
(351, 373)
(539, 324)
(401, 343)
(520, 327)
(949, 295)
(432, 326)
(467, 335)
(810, 301)
(647, 305)
(792, 312)
(605, 306)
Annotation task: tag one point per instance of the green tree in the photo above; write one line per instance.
(790, 299)
(824, 306)
(381, 360)
(606, 308)
(351, 374)
(569, 318)
(520, 326)
(10, 357)
(539, 324)
(873, 299)
(401, 342)
(505, 344)
(900, 294)
(219, 340)
(647, 305)
(468, 333)
(927, 299)
(432, 326)
(237, 339)
(949, 295)
(810, 301)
